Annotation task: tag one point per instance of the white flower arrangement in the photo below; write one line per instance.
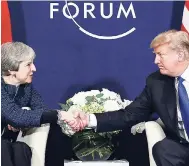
(93, 101)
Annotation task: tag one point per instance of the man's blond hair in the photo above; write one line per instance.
(177, 40)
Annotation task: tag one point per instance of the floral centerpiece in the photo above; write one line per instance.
(88, 144)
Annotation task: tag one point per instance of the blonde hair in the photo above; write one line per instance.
(177, 40)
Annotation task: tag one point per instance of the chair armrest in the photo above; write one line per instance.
(159, 121)
(154, 133)
(36, 139)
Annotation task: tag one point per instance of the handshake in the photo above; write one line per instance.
(77, 119)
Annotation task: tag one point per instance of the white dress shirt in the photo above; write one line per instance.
(182, 131)
(181, 127)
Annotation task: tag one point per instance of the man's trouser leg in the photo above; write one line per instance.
(171, 153)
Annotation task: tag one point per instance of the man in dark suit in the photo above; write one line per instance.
(166, 93)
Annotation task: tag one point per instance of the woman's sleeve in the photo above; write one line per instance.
(48, 116)
(16, 116)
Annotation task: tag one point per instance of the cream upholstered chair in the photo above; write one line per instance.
(154, 133)
(36, 139)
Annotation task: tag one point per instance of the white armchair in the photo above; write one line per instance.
(36, 139)
(154, 133)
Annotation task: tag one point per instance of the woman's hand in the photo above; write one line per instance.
(12, 128)
(68, 117)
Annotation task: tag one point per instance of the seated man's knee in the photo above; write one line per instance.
(157, 149)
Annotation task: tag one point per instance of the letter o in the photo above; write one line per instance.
(76, 12)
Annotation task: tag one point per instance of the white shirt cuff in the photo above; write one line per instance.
(92, 121)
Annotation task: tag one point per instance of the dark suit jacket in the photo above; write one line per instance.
(159, 95)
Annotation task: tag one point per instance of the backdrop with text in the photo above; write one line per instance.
(91, 45)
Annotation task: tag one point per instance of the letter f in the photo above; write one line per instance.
(52, 10)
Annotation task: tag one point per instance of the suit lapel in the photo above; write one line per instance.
(170, 100)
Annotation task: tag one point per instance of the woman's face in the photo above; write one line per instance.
(25, 72)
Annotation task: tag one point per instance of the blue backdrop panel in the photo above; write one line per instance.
(69, 61)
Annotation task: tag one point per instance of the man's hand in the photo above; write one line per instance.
(12, 128)
(83, 117)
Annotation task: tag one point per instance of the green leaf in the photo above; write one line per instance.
(64, 106)
(99, 95)
(89, 98)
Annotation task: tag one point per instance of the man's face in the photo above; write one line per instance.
(167, 60)
(25, 72)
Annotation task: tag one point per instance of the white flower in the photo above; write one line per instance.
(92, 93)
(110, 94)
(79, 99)
(111, 105)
